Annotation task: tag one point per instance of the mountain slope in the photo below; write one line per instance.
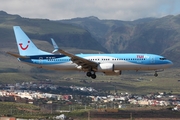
(70, 38)
(41, 29)
(148, 35)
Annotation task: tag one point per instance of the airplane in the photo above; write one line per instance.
(109, 64)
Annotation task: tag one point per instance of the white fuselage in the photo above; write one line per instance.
(120, 61)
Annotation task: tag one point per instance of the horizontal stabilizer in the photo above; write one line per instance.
(16, 55)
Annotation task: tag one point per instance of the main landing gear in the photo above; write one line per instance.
(91, 74)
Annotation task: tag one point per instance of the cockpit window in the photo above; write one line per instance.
(162, 58)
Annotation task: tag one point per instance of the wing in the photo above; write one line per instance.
(86, 64)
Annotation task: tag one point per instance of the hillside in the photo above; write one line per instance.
(71, 38)
(42, 29)
(147, 35)
(92, 35)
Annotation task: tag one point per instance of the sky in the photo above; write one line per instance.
(126, 10)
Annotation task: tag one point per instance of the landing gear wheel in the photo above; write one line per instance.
(88, 74)
(93, 76)
(155, 74)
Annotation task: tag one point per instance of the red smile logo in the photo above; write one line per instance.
(24, 48)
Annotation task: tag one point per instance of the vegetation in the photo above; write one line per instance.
(28, 111)
(19, 110)
(65, 35)
(94, 36)
(147, 35)
(132, 82)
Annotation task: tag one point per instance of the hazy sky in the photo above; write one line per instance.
(103, 9)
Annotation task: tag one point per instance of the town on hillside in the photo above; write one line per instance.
(66, 98)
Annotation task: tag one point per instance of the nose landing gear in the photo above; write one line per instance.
(155, 74)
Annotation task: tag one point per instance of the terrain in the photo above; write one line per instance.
(28, 111)
(91, 35)
(146, 35)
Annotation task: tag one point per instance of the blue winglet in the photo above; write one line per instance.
(54, 45)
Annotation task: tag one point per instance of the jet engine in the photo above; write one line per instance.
(105, 67)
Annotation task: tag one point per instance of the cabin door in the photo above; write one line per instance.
(152, 60)
(40, 60)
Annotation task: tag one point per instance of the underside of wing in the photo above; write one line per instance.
(84, 63)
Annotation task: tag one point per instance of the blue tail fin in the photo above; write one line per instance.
(25, 46)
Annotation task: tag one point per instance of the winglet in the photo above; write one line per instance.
(54, 45)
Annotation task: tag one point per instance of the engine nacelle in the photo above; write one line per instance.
(79, 67)
(106, 67)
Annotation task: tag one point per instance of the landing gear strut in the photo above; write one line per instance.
(155, 74)
(91, 74)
